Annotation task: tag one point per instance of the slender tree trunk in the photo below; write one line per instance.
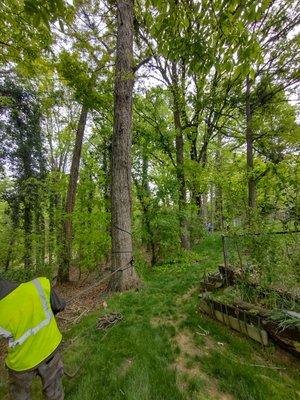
(10, 250)
(196, 195)
(106, 165)
(219, 218)
(202, 202)
(51, 209)
(122, 257)
(204, 213)
(66, 256)
(59, 203)
(184, 229)
(212, 205)
(14, 227)
(199, 204)
(249, 142)
(87, 211)
(200, 197)
(106, 171)
(145, 199)
(90, 196)
(143, 194)
(40, 237)
(27, 236)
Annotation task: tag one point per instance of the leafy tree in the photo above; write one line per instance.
(22, 150)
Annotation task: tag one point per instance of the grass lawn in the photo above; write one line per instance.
(164, 349)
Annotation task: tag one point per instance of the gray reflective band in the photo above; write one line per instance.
(42, 324)
(5, 333)
(48, 312)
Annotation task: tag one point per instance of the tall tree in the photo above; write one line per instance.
(122, 256)
(64, 267)
(90, 62)
(22, 150)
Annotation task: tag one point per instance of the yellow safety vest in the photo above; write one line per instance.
(27, 321)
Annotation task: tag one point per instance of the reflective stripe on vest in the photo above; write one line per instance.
(5, 334)
(32, 331)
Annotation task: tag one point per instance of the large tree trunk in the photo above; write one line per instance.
(66, 256)
(184, 229)
(122, 257)
(249, 142)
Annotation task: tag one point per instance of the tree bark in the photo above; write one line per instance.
(184, 230)
(212, 205)
(203, 211)
(27, 236)
(66, 256)
(219, 218)
(145, 201)
(9, 252)
(40, 237)
(51, 226)
(15, 224)
(249, 142)
(144, 196)
(124, 276)
(199, 198)
(107, 182)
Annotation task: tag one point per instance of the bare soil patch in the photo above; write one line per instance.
(125, 366)
(186, 297)
(80, 301)
(216, 395)
(186, 343)
(188, 350)
(160, 320)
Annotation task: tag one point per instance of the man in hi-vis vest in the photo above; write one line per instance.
(27, 321)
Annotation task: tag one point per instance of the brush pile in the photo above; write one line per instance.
(108, 320)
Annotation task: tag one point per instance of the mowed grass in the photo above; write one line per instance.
(164, 349)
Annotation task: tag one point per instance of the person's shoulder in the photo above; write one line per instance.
(43, 281)
(43, 278)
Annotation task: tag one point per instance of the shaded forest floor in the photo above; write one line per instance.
(164, 349)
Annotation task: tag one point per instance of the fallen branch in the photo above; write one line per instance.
(77, 319)
(265, 366)
(205, 332)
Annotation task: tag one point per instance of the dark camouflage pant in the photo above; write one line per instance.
(51, 373)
